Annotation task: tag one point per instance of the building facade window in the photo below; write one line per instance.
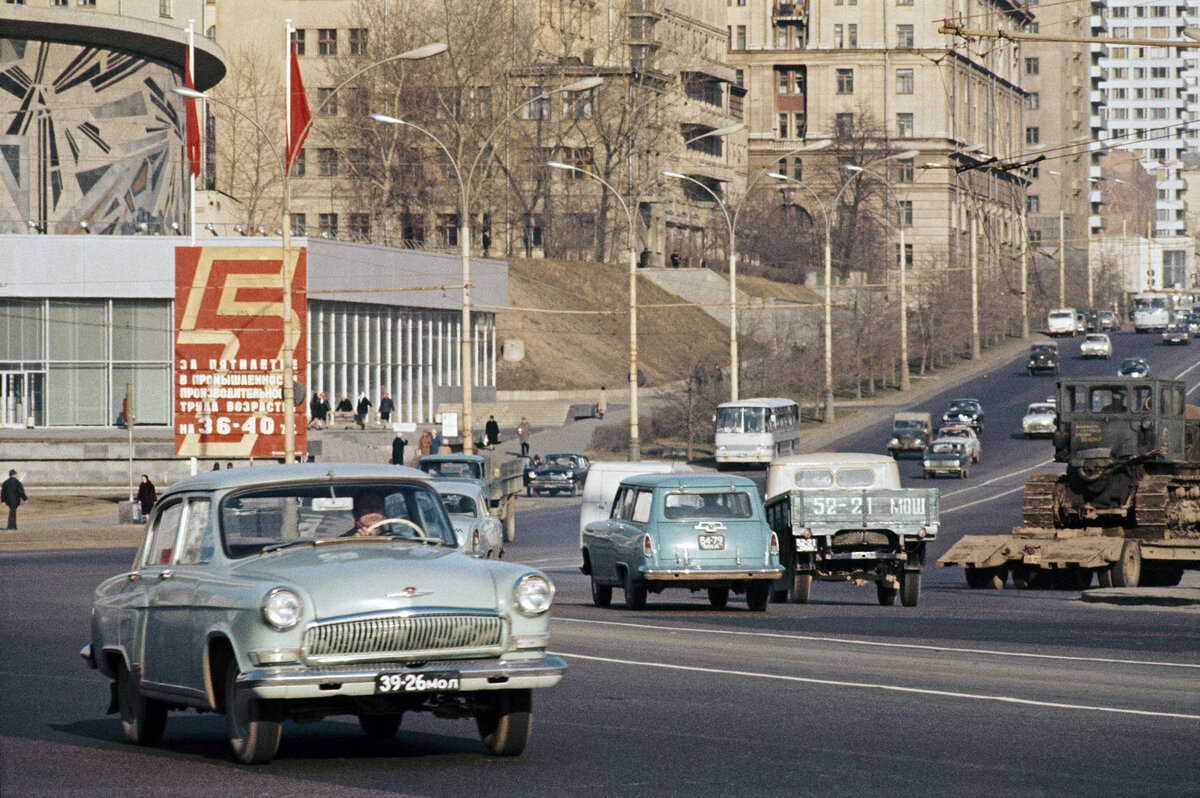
(537, 103)
(740, 43)
(299, 223)
(298, 40)
(326, 102)
(904, 37)
(447, 229)
(360, 226)
(904, 126)
(358, 41)
(843, 125)
(905, 172)
(908, 255)
(1031, 66)
(852, 36)
(577, 104)
(1032, 135)
(298, 164)
(327, 162)
(845, 81)
(904, 81)
(904, 213)
(1031, 101)
(1033, 203)
(328, 223)
(327, 41)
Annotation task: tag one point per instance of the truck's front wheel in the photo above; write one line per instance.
(886, 593)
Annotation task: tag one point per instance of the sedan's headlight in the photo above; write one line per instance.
(533, 594)
(282, 609)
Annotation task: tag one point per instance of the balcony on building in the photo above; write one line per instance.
(790, 11)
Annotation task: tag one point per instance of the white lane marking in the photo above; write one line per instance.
(1001, 478)
(876, 644)
(991, 498)
(889, 687)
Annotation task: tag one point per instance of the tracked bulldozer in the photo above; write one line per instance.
(1127, 508)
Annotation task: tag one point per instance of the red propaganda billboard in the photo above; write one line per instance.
(229, 349)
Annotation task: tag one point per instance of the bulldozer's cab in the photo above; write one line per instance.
(1123, 417)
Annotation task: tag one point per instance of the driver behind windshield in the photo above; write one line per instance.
(368, 510)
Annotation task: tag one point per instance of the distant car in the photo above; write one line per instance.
(1090, 320)
(965, 411)
(1042, 357)
(1193, 323)
(1040, 419)
(1108, 321)
(946, 457)
(695, 531)
(560, 473)
(1096, 345)
(961, 432)
(305, 591)
(1176, 333)
(478, 532)
(1133, 367)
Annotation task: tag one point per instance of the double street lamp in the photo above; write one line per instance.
(464, 232)
(828, 322)
(731, 225)
(287, 351)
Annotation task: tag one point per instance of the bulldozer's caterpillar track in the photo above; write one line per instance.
(1038, 503)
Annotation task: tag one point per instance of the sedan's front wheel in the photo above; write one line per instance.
(254, 738)
(143, 719)
(504, 726)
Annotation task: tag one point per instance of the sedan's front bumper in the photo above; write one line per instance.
(356, 681)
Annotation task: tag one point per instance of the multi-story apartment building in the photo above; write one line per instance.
(664, 87)
(1152, 97)
(840, 68)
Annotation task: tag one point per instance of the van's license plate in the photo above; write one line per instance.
(427, 682)
(712, 542)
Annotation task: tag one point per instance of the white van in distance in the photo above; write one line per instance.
(600, 485)
(1063, 321)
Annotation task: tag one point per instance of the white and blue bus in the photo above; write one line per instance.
(756, 430)
(1152, 311)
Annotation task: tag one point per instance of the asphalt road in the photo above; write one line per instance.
(988, 692)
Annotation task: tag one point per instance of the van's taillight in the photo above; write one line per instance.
(647, 546)
(773, 547)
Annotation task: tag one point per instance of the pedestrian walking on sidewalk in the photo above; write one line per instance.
(523, 431)
(146, 495)
(12, 493)
(602, 405)
(386, 406)
(398, 444)
(364, 407)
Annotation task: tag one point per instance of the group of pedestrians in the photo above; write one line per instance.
(323, 417)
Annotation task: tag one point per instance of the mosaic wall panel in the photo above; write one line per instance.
(89, 134)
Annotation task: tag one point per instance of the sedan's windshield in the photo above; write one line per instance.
(308, 513)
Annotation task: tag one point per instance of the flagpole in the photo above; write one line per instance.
(191, 172)
(289, 391)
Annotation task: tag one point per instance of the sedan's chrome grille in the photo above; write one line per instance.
(404, 637)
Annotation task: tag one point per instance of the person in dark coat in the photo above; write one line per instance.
(364, 407)
(491, 433)
(343, 406)
(146, 495)
(398, 444)
(386, 406)
(12, 493)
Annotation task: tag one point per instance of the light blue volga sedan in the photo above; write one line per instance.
(696, 531)
(478, 532)
(300, 592)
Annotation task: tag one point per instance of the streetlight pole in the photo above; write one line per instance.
(466, 352)
(905, 381)
(731, 222)
(287, 350)
(828, 323)
(635, 445)
(733, 321)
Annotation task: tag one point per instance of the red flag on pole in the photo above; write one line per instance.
(193, 124)
(298, 114)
